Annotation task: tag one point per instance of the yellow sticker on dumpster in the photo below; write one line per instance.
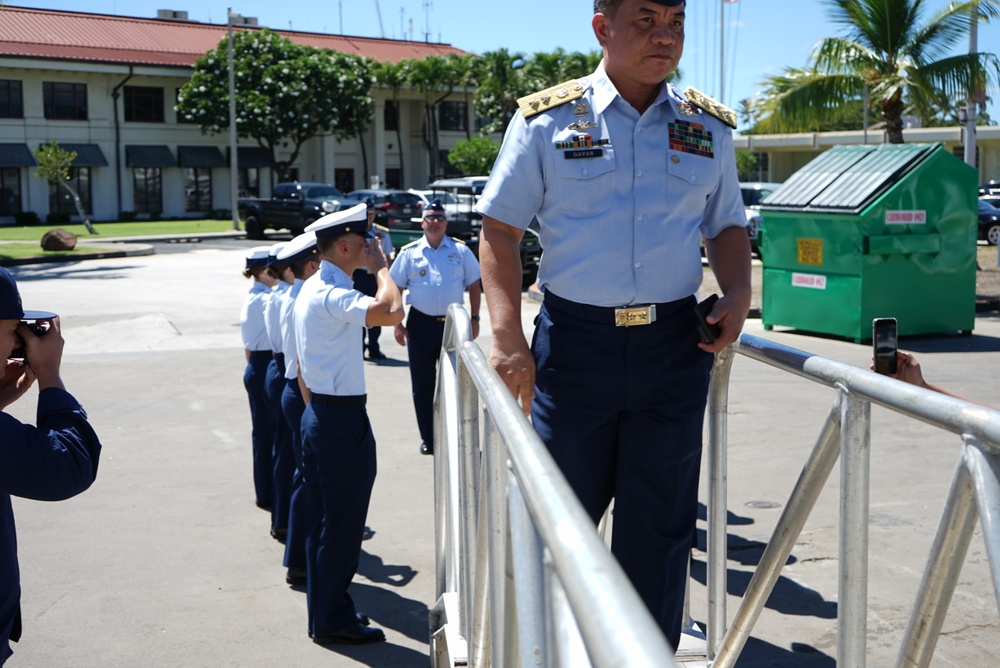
(810, 251)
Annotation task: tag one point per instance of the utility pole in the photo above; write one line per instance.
(234, 163)
(381, 28)
(970, 107)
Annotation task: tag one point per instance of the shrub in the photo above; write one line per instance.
(57, 218)
(127, 216)
(154, 215)
(25, 218)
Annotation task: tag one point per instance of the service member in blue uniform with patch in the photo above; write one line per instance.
(257, 349)
(624, 173)
(338, 447)
(53, 461)
(302, 258)
(284, 461)
(436, 270)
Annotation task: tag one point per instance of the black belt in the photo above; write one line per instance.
(606, 315)
(260, 353)
(435, 318)
(339, 400)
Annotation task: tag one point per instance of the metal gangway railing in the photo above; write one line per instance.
(523, 579)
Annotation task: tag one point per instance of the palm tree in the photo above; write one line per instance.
(431, 75)
(464, 71)
(394, 77)
(502, 82)
(889, 54)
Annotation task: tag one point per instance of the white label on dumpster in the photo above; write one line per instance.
(905, 217)
(813, 281)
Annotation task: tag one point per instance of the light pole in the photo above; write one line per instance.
(970, 107)
(234, 167)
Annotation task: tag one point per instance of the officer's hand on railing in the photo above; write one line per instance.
(515, 365)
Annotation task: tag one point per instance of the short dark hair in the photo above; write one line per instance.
(299, 266)
(606, 7)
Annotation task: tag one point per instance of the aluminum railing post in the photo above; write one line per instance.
(718, 434)
(944, 565)
(529, 581)
(495, 523)
(855, 461)
(984, 467)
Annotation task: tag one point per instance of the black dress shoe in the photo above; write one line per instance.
(363, 619)
(264, 505)
(352, 635)
(279, 534)
(295, 576)
(376, 356)
(426, 449)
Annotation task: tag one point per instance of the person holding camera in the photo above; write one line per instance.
(52, 461)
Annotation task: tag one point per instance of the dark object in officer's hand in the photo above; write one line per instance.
(21, 352)
(706, 331)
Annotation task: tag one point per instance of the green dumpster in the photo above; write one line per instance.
(872, 231)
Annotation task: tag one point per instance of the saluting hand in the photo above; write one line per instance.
(376, 256)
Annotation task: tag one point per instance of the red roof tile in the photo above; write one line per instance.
(59, 35)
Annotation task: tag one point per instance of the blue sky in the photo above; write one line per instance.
(761, 36)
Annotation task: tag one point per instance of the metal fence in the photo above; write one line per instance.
(523, 579)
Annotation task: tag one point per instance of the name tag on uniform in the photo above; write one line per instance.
(583, 153)
(632, 317)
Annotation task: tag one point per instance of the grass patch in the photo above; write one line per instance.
(115, 229)
(18, 251)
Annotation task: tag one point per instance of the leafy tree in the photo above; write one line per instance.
(474, 156)
(394, 77)
(888, 53)
(54, 165)
(465, 75)
(502, 82)
(285, 92)
(435, 78)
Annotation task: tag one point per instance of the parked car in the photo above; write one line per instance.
(460, 185)
(399, 206)
(292, 206)
(990, 188)
(753, 194)
(989, 223)
(458, 210)
(993, 200)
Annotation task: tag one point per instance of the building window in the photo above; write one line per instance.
(143, 104)
(391, 116)
(10, 191)
(760, 171)
(343, 179)
(959, 152)
(180, 117)
(197, 188)
(147, 189)
(453, 115)
(393, 178)
(11, 100)
(249, 182)
(60, 201)
(64, 101)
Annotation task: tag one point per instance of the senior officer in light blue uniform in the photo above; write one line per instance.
(338, 448)
(436, 270)
(258, 352)
(624, 173)
(302, 258)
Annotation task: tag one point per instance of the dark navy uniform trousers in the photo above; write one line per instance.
(262, 435)
(338, 472)
(293, 406)
(423, 345)
(621, 410)
(284, 459)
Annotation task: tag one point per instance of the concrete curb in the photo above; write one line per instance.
(120, 247)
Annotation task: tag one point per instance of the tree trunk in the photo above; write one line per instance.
(364, 157)
(892, 113)
(79, 208)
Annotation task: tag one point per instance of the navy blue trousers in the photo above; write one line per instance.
(621, 410)
(423, 345)
(367, 284)
(295, 542)
(284, 458)
(262, 422)
(338, 472)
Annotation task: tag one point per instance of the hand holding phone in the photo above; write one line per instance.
(707, 332)
(885, 341)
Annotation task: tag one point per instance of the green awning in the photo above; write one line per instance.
(16, 155)
(149, 156)
(251, 156)
(200, 157)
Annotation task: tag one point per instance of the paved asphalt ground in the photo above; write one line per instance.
(167, 562)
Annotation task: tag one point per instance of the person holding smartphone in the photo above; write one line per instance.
(52, 461)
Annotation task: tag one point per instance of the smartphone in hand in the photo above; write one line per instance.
(707, 332)
(884, 344)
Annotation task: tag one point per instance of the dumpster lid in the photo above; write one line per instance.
(846, 179)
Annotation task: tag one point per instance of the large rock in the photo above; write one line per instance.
(58, 239)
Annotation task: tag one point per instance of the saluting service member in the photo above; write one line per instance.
(302, 258)
(53, 461)
(624, 173)
(436, 270)
(338, 448)
(366, 283)
(258, 352)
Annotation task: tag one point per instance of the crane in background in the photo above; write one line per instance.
(380, 26)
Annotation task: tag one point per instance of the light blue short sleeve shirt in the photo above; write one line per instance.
(434, 278)
(621, 199)
(271, 315)
(329, 319)
(286, 319)
(252, 328)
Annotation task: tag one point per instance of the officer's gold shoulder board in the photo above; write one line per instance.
(550, 97)
(410, 245)
(714, 107)
(381, 228)
(457, 241)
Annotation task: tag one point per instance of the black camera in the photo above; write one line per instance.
(21, 352)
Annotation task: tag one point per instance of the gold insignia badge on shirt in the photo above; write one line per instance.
(714, 107)
(423, 272)
(581, 109)
(688, 109)
(581, 125)
(550, 97)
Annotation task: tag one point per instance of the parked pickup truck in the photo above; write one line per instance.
(292, 207)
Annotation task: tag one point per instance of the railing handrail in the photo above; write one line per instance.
(616, 627)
